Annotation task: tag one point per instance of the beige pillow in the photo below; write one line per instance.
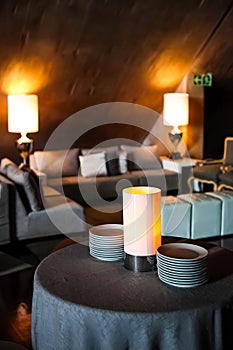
(142, 157)
(106, 150)
(55, 163)
(93, 165)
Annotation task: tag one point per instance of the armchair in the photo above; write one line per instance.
(215, 172)
(226, 181)
(28, 211)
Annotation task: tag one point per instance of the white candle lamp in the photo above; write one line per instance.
(142, 227)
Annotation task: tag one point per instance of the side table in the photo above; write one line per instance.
(181, 166)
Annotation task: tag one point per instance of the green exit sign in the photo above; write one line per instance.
(203, 79)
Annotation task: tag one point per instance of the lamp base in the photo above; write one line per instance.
(140, 263)
(176, 155)
(175, 137)
(24, 146)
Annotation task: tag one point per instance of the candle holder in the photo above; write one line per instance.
(142, 227)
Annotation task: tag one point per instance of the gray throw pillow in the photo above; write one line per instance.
(26, 179)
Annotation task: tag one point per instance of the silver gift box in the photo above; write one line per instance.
(226, 198)
(175, 217)
(205, 215)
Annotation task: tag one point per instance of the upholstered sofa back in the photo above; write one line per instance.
(5, 187)
(14, 212)
(94, 175)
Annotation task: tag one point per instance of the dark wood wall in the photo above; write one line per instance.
(79, 53)
(211, 118)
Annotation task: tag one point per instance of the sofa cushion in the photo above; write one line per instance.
(28, 184)
(207, 172)
(106, 150)
(164, 179)
(143, 157)
(61, 215)
(116, 161)
(5, 224)
(93, 165)
(93, 189)
(58, 162)
(226, 178)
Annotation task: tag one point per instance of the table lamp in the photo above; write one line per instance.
(142, 227)
(23, 118)
(175, 113)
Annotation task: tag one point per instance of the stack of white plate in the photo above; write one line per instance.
(182, 264)
(106, 242)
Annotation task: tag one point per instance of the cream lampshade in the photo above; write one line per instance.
(176, 113)
(23, 119)
(142, 226)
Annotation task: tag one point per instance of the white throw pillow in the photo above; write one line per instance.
(116, 159)
(122, 158)
(93, 165)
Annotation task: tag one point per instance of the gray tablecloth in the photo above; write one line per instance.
(82, 303)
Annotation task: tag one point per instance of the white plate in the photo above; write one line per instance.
(107, 230)
(181, 267)
(106, 239)
(107, 251)
(185, 285)
(106, 254)
(182, 272)
(106, 242)
(183, 279)
(182, 252)
(121, 249)
(108, 258)
(106, 245)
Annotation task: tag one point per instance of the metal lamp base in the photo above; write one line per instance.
(176, 155)
(24, 146)
(175, 137)
(140, 263)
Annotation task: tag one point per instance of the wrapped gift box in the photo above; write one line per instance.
(175, 217)
(226, 198)
(205, 214)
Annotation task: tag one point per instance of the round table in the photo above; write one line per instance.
(82, 303)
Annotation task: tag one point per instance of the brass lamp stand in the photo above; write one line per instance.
(24, 146)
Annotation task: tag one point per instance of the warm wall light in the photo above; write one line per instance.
(176, 113)
(29, 74)
(23, 118)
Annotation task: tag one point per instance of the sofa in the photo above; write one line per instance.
(29, 212)
(91, 176)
